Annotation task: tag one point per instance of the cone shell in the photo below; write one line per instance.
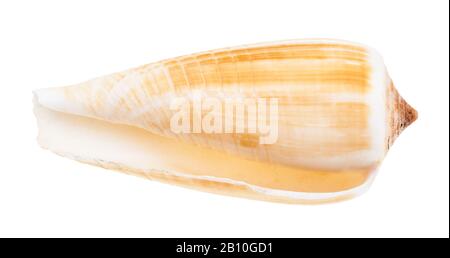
(338, 114)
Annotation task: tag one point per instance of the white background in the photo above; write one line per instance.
(55, 43)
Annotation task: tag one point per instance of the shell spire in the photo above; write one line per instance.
(401, 114)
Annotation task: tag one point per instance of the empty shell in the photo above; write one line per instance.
(332, 104)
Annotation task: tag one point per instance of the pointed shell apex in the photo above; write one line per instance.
(400, 115)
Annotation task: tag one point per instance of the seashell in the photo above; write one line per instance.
(337, 113)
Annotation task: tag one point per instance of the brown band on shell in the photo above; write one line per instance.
(400, 114)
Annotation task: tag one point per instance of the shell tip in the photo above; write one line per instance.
(407, 114)
(401, 114)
